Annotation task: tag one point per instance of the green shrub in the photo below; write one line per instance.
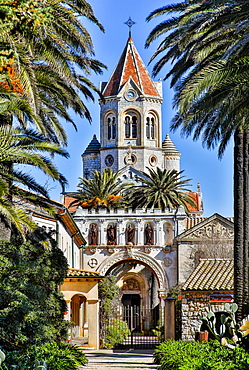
(179, 355)
(61, 356)
(116, 332)
(58, 356)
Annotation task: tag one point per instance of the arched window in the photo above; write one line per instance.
(134, 127)
(147, 127)
(127, 127)
(111, 126)
(131, 122)
(151, 126)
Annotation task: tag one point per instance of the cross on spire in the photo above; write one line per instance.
(130, 23)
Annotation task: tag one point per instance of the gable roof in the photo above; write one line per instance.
(130, 66)
(191, 233)
(211, 274)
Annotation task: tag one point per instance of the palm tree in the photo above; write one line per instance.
(103, 190)
(162, 189)
(209, 48)
(47, 54)
(19, 147)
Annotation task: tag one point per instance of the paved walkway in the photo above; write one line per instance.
(120, 360)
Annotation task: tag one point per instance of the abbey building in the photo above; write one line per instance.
(148, 250)
(131, 141)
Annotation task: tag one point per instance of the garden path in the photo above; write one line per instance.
(120, 360)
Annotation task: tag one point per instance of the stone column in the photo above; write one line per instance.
(86, 319)
(102, 233)
(169, 319)
(157, 232)
(140, 232)
(119, 239)
(93, 323)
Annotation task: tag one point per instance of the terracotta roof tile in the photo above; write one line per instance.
(130, 65)
(197, 202)
(211, 274)
(67, 201)
(78, 273)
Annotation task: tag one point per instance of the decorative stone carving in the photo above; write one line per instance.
(147, 249)
(93, 262)
(167, 249)
(111, 250)
(136, 256)
(213, 230)
(167, 262)
(129, 251)
(131, 284)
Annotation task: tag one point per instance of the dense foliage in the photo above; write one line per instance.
(116, 332)
(162, 189)
(57, 356)
(46, 58)
(102, 190)
(179, 355)
(31, 305)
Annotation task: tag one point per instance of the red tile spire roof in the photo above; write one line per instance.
(130, 65)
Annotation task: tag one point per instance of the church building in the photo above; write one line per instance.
(141, 247)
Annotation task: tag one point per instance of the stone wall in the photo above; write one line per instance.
(194, 306)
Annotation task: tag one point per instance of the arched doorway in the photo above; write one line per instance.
(78, 316)
(140, 280)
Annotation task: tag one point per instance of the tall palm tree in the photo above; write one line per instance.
(162, 189)
(103, 190)
(19, 148)
(209, 47)
(48, 56)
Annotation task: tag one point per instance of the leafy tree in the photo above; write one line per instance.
(208, 43)
(162, 189)
(103, 190)
(31, 305)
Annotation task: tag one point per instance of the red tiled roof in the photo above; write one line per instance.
(67, 201)
(211, 274)
(196, 199)
(130, 65)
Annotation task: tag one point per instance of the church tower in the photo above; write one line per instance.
(130, 117)
(130, 121)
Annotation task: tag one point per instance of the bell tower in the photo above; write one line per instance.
(130, 116)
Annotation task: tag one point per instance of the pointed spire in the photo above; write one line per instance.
(130, 66)
(168, 146)
(93, 147)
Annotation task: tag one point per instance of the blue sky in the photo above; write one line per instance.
(199, 164)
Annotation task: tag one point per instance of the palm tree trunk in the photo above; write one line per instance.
(246, 223)
(238, 221)
(5, 225)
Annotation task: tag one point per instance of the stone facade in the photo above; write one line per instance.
(194, 306)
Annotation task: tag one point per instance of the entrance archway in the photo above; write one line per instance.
(78, 315)
(137, 257)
